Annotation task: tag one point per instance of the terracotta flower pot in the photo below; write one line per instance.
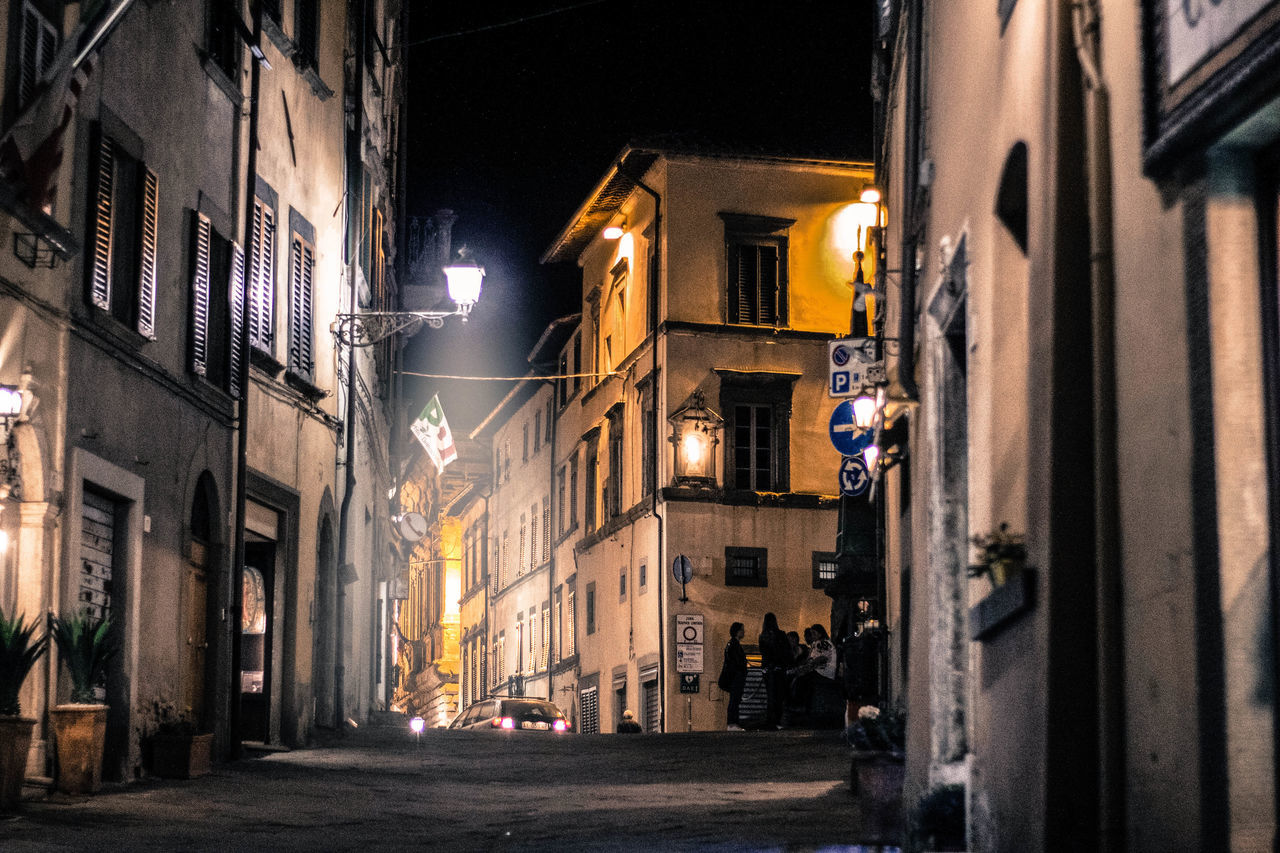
(878, 778)
(15, 740)
(181, 756)
(79, 732)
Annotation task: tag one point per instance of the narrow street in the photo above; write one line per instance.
(381, 789)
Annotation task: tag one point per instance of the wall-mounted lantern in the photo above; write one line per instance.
(695, 432)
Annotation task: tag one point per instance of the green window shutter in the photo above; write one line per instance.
(100, 210)
(200, 243)
(147, 255)
(235, 292)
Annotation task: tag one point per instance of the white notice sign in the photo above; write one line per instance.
(689, 628)
(688, 657)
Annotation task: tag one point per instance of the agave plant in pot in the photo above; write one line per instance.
(19, 651)
(85, 644)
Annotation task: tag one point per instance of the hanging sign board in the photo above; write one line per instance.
(851, 366)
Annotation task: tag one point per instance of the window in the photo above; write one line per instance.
(613, 490)
(644, 576)
(301, 318)
(217, 291)
(570, 624)
(506, 560)
(534, 542)
(547, 436)
(561, 507)
(562, 381)
(593, 479)
(824, 568)
(558, 652)
(500, 658)
(757, 409)
(307, 33)
(589, 702)
(122, 225)
(649, 440)
(544, 633)
(537, 431)
(573, 491)
(757, 269)
(520, 564)
(222, 41)
(577, 362)
(591, 608)
(546, 529)
(533, 640)
(524, 455)
(520, 632)
(39, 44)
(746, 566)
(622, 584)
(262, 276)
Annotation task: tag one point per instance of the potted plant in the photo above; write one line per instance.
(937, 822)
(878, 738)
(19, 651)
(86, 646)
(1001, 555)
(178, 750)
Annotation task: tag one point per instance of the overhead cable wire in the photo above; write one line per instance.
(501, 24)
(508, 378)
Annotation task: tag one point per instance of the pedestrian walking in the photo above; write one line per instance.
(733, 674)
(775, 654)
(628, 725)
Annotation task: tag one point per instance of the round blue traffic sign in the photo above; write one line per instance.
(846, 437)
(855, 479)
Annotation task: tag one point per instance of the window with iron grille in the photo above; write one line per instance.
(37, 46)
(824, 568)
(122, 228)
(217, 291)
(746, 566)
(301, 318)
(757, 269)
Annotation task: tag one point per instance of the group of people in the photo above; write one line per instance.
(792, 669)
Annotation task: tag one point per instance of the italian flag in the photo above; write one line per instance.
(432, 430)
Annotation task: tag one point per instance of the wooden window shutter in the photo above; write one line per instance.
(147, 255)
(262, 276)
(235, 292)
(300, 319)
(38, 47)
(200, 243)
(768, 287)
(100, 224)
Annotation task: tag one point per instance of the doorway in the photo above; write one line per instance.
(256, 629)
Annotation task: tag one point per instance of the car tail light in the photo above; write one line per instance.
(507, 723)
(560, 726)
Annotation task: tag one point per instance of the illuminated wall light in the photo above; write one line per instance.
(870, 455)
(852, 225)
(870, 194)
(10, 401)
(864, 412)
(694, 447)
(4, 542)
(612, 232)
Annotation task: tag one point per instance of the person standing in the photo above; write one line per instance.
(734, 673)
(775, 655)
(628, 725)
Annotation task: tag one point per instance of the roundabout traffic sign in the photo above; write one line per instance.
(855, 479)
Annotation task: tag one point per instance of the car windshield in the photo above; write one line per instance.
(530, 710)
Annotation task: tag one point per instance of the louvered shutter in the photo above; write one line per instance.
(100, 222)
(300, 319)
(147, 255)
(235, 292)
(39, 46)
(200, 243)
(768, 285)
(262, 277)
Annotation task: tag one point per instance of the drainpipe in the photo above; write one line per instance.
(911, 213)
(355, 159)
(1110, 631)
(655, 269)
(551, 566)
(242, 437)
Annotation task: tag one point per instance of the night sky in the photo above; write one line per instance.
(512, 125)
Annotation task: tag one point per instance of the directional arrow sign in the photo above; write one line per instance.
(847, 438)
(854, 477)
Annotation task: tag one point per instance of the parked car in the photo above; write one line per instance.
(501, 713)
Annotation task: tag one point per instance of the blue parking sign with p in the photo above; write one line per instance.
(841, 382)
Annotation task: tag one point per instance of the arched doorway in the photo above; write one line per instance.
(322, 638)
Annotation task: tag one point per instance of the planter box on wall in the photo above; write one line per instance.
(79, 732)
(181, 756)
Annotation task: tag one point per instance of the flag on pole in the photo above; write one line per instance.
(31, 151)
(432, 431)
